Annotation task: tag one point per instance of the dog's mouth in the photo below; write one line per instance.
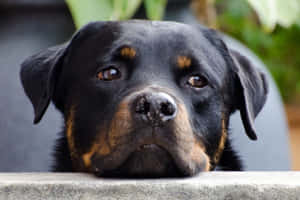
(148, 160)
(147, 147)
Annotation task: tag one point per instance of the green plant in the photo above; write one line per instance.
(272, 12)
(279, 49)
(84, 11)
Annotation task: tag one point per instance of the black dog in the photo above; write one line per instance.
(145, 99)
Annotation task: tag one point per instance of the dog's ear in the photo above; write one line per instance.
(40, 72)
(250, 91)
(250, 86)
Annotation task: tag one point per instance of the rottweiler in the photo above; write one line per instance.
(145, 98)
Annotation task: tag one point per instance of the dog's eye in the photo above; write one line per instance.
(197, 81)
(109, 74)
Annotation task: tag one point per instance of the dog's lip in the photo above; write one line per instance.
(147, 146)
(121, 155)
(118, 171)
(178, 153)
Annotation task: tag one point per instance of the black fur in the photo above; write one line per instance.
(110, 135)
(63, 162)
(230, 160)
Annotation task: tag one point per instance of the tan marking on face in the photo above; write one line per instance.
(187, 141)
(183, 62)
(221, 143)
(101, 147)
(128, 52)
(69, 128)
(183, 130)
(199, 156)
(108, 140)
(87, 159)
(121, 124)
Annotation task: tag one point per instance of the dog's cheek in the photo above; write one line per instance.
(121, 125)
(199, 156)
(108, 139)
(74, 151)
(192, 145)
(211, 123)
(182, 127)
(222, 142)
(69, 133)
(99, 147)
(216, 143)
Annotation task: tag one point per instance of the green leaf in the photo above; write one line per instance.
(85, 11)
(124, 9)
(272, 12)
(155, 9)
(288, 12)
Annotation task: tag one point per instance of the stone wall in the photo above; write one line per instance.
(213, 185)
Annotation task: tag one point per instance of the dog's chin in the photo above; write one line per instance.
(147, 161)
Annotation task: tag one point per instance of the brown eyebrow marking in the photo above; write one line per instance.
(184, 62)
(128, 52)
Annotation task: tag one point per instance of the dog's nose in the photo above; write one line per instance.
(156, 108)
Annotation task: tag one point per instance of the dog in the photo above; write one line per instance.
(145, 98)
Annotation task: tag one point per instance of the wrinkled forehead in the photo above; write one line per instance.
(161, 34)
(173, 39)
(154, 43)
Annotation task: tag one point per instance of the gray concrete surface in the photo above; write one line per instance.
(214, 185)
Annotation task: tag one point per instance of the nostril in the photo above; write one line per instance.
(167, 108)
(143, 106)
(154, 108)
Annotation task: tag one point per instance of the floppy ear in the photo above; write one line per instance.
(39, 74)
(250, 84)
(251, 90)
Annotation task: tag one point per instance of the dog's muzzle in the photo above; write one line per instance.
(150, 135)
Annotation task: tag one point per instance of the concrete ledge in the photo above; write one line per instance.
(213, 185)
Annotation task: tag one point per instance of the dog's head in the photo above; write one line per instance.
(145, 98)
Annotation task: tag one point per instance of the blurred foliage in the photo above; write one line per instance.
(155, 9)
(85, 11)
(272, 12)
(280, 50)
